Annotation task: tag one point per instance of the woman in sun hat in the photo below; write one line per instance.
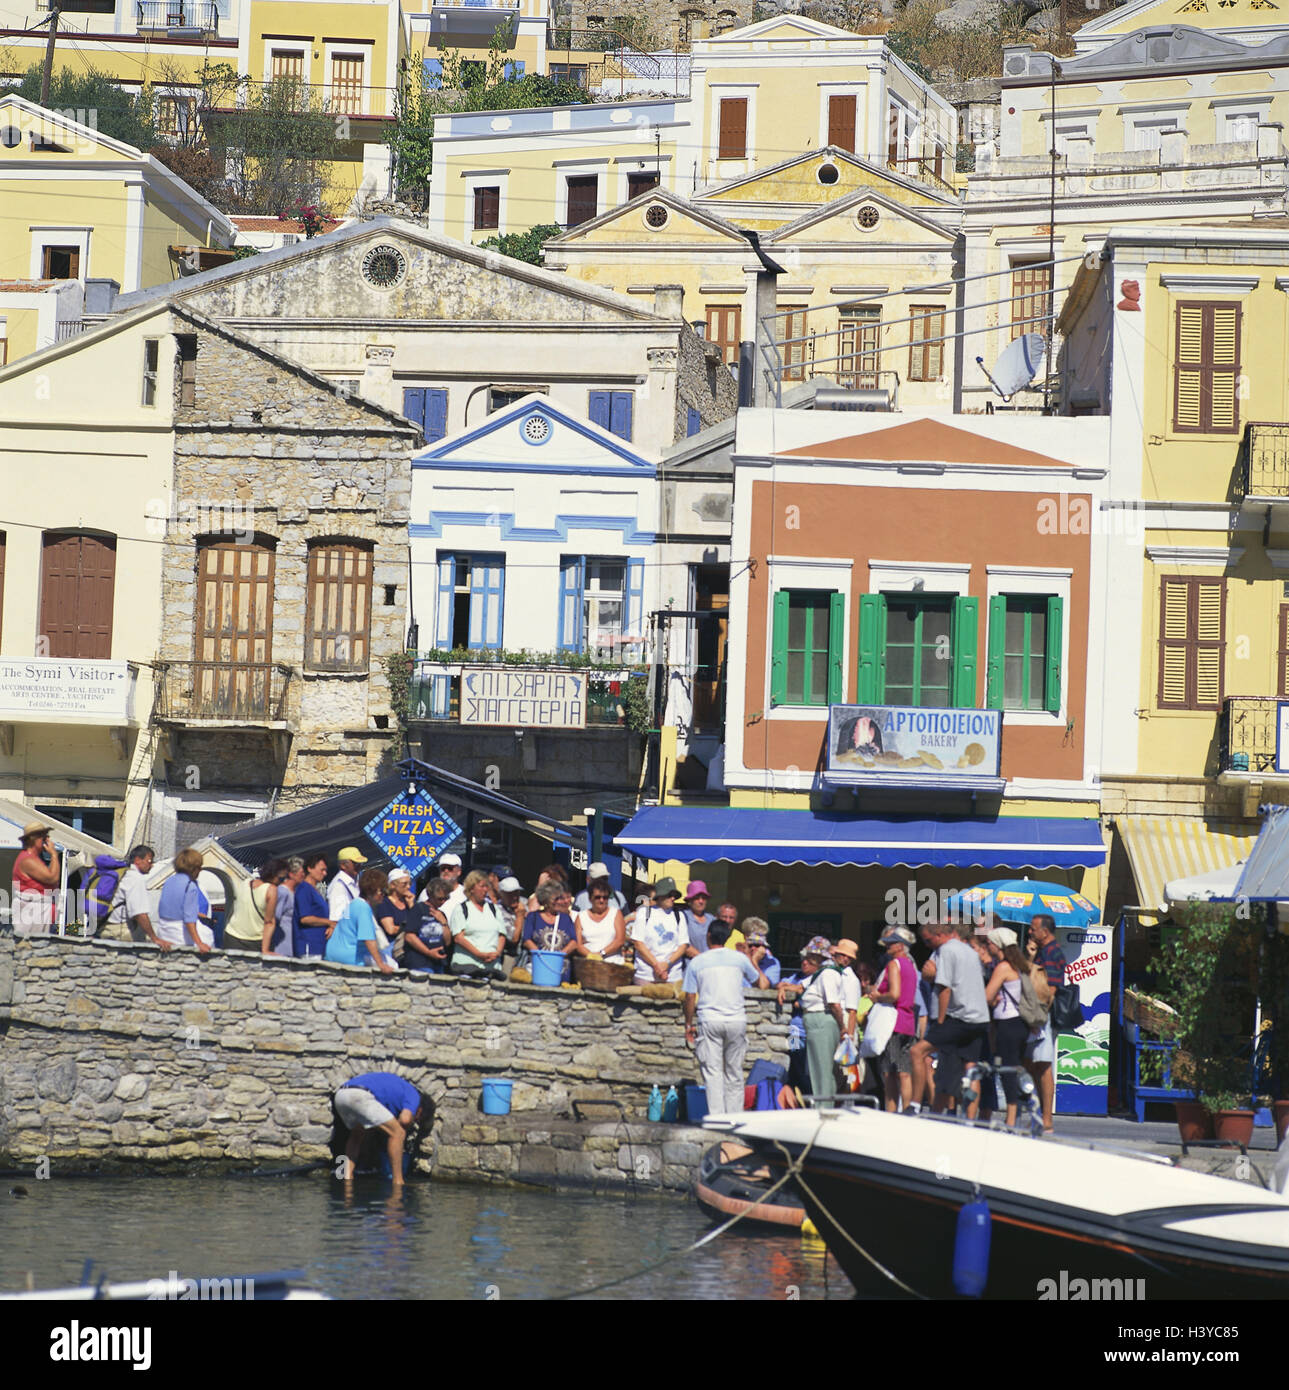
(660, 939)
(821, 1000)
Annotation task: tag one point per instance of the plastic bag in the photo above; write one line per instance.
(847, 1053)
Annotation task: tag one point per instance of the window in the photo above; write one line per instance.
(233, 641)
(286, 65)
(1031, 297)
(806, 647)
(724, 326)
(641, 183)
(918, 649)
(347, 83)
(512, 72)
(487, 208)
(175, 114)
(187, 361)
(2, 550)
(796, 354)
(601, 609)
(60, 262)
(612, 410)
(858, 339)
(151, 357)
(1239, 125)
(428, 407)
(841, 122)
(583, 198)
(77, 586)
(474, 73)
(693, 421)
(338, 618)
(1206, 368)
(472, 592)
(1192, 642)
(433, 70)
(926, 356)
(499, 397)
(1148, 134)
(732, 128)
(1282, 652)
(98, 821)
(1025, 636)
(1070, 130)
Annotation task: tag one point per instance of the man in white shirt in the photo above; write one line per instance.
(845, 953)
(449, 870)
(344, 887)
(130, 918)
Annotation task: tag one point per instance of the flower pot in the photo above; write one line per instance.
(1280, 1113)
(1234, 1126)
(1194, 1122)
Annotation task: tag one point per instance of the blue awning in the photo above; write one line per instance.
(709, 834)
(1266, 874)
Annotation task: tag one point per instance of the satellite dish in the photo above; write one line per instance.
(1017, 365)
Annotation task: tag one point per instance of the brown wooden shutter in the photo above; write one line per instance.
(286, 65)
(1209, 605)
(1192, 643)
(724, 325)
(926, 358)
(858, 342)
(640, 183)
(232, 677)
(347, 83)
(841, 122)
(795, 355)
(732, 143)
(1174, 644)
(1282, 648)
(1030, 298)
(582, 198)
(487, 207)
(339, 608)
(77, 585)
(1206, 368)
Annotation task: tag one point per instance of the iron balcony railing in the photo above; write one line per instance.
(222, 692)
(1262, 469)
(434, 689)
(1247, 733)
(178, 14)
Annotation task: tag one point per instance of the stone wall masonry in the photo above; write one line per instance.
(703, 382)
(114, 1055)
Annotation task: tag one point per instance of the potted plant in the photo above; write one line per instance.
(1232, 1119)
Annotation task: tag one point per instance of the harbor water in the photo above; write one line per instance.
(432, 1240)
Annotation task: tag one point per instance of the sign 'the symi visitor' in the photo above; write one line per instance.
(523, 698)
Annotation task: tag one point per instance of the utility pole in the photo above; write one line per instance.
(48, 70)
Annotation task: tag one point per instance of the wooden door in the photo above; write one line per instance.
(732, 129)
(841, 122)
(232, 676)
(724, 324)
(347, 83)
(583, 192)
(858, 335)
(77, 583)
(796, 355)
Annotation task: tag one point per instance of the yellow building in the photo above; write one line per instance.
(867, 256)
(1186, 333)
(75, 207)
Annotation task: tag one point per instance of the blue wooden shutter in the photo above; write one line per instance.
(433, 72)
(487, 583)
(572, 582)
(693, 421)
(779, 648)
(440, 696)
(598, 408)
(635, 597)
(414, 404)
(965, 632)
(620, 408)
(1055, 633)
(996, 664)
(447, 594)
(435, 421)
(511, 72)
(871, 673)
(836, 641)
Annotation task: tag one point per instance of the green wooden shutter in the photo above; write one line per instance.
(779, 650)
(1055, 627)
(995, 667)
(836, 640)
(872, 649)
(966, 639)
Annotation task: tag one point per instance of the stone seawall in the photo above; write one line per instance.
(114, 1055)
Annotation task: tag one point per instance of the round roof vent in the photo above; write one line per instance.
(656, 216)
(868, 217)
(828, 174)
(384, 267)
(536, 429)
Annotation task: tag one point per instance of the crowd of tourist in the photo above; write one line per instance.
(977, 996)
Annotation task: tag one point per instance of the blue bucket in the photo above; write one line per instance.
(496, 1095)
(695, 1104)
(548, 968)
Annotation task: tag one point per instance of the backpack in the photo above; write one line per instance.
(1032, 1010)
(100, 890)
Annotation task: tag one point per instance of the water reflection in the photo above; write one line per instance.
(366, 1240)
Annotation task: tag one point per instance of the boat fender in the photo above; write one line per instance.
(971, 1248)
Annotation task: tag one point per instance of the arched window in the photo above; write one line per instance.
(233, 640)
(337, 634)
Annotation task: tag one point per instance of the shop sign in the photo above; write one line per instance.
(893, 744)
(66, 691)
(413, 831)
(519, 697)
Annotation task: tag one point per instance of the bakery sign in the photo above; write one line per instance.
(893, 745)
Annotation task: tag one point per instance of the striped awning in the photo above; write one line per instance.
(1162, 848)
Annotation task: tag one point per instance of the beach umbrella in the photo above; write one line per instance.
(1019, 899)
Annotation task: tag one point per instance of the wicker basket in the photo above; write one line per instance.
(601, 974)
(1149, 1014)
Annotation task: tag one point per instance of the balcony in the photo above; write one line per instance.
(223, 693)
(1247, 733)
(1262, 469)
(434, 689)
(470, 18)
(196, 17)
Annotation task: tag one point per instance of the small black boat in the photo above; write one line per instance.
(731, 1178)
(1067, 1220)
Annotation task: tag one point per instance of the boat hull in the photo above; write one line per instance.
(726, 1187)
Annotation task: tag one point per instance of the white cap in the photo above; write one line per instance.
(450, 859)
(510, 885)
(397, 873)
(597, 871)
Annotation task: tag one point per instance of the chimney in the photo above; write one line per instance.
(100, 295)
(669, 301)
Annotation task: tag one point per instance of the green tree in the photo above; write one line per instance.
(95, 100)
(523, 246)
